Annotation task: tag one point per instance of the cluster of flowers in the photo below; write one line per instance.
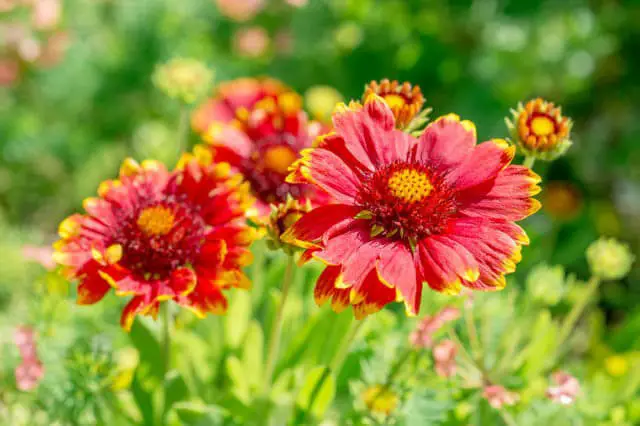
(388, 206)
(30, 371)
(40, 42)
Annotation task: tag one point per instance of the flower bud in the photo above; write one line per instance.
(566, 388)
(540, 129)
(321, 100)
(545, 284)
(184, 79)
(609, 259)
(404, 100)
(282, 217)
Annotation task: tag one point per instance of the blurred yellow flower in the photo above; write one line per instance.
(321, 101)
(380, 399)
(616, 365)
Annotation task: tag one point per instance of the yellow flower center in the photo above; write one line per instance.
(380, 400)
(395, 101)
(542, 126)
(278, 158)
(156, 220)
(410, 185)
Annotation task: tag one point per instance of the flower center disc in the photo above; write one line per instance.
(542, 125)
(395, 101)
(156, 220)
(410, 185)
(278, 158)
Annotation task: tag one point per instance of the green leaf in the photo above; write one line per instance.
(423, 408)
(144, 337)
(543, 344)
(143, 398)
(176, 389)
(239, 379)
(324, 392)
(253, 354)
(237, 319)
(198, 414)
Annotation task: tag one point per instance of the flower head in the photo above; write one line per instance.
(158, 235)
(540, 129)
(184, 79)
(566, 388)
(609, 259)
(404, 100)
(410, 210)
(422, 336)
(444, 356)
(380, 399)
(259, 127)
(497, 396)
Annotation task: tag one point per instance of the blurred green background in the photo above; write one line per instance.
(73, 108)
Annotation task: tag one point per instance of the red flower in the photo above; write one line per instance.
(438, 209)
(30, 371)
(259, 127)
(160, 235)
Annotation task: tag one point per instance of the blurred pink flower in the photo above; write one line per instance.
(11, 34)
(29, 49)
(251, 42)
(9, 72)
(297, 3)
(30, 371)
(497, 396)
(29, 374)
(444, 355)
(54, 49)
(46, 14)
(42, 255)
(566, 390)
(240, 10)
(283, 41)
(422, 336)
(7, 5)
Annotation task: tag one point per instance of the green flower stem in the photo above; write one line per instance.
(183, 129)
(166, 356)
(476, 347)
(336, 363)
(571, 319)
(276, 328)
(529, 161)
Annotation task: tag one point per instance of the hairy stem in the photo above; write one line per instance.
(276, 328)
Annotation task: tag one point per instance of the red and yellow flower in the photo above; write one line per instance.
(540, 129)
(259, 127)
(437, 209)
(161, 235)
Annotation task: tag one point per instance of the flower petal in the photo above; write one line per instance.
(396, 269)
(326, 289)
(328, 171)
(92, 289)
(313, 225)
(484, 163)
(375, 296)
(446, 142)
